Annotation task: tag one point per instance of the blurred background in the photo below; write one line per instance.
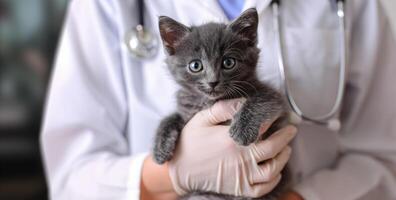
(29, 31)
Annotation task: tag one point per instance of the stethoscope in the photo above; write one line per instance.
(328, 119)
(142, 44)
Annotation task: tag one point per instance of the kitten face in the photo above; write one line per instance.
(213, 59)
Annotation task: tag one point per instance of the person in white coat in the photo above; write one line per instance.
(103, 107)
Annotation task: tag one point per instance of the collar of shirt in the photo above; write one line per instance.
(231, 8)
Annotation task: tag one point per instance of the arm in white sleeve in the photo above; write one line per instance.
(83, 139)
(366, 169)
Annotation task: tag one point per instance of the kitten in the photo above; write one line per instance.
(214, 62)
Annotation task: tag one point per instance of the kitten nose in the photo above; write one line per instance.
(213, 84)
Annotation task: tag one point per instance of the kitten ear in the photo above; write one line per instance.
(246, 25)
(171, 33)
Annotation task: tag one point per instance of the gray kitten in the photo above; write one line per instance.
(214, 62)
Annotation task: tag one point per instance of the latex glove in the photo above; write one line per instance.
(207, 159)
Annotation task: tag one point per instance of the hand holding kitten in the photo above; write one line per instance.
(207, 159)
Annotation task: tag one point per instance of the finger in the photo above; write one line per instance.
(220, 112)
(261, 189)
(265, 126)
(270, 147)
(273, 167)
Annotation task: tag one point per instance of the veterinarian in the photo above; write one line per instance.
(104, 104)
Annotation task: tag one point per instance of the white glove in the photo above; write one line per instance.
(207, 159)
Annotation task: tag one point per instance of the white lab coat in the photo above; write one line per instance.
(103, 106)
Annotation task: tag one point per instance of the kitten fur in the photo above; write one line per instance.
(210, 49)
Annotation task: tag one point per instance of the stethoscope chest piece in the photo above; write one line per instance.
(142, 44)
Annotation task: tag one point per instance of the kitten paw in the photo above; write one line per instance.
(163, 149)
(244, 133)
(160, 157)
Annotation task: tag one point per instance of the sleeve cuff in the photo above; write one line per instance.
(134, 176)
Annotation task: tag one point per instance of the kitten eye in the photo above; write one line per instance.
(195, 66)
(228, 63)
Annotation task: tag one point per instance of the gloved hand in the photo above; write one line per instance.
(207, 159)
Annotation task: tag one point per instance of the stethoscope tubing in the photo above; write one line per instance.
(323, 119)
(140, 4)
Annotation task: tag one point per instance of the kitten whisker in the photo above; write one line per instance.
(239, 89)
(232, 93)
(242, 90)
(228, 94)
(247, 83)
